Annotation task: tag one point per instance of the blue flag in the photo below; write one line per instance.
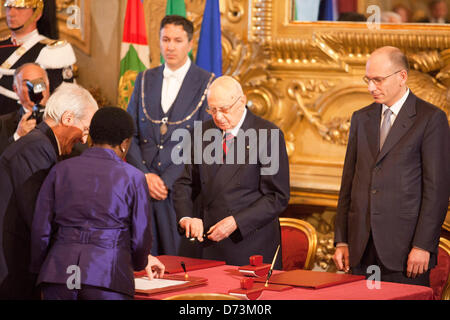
(209, 52)
(328, 10)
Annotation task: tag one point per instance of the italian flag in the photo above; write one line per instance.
(134, 55)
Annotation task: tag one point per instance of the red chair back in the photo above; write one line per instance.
(298, 244)
(439, 275)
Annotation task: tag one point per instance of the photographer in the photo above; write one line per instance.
(31, 85)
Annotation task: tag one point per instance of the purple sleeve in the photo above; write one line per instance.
(141, 237)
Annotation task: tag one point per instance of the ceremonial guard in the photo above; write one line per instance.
(32, 22)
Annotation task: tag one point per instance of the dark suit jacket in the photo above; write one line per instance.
(8, 125)
(239, 190)
(23, 167)
(401, 193)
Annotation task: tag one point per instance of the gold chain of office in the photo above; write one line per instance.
(165, 121)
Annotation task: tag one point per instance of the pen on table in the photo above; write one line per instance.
(184, 269)
(271, 267)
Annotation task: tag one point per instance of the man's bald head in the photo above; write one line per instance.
(394, 55)
(386, 75)
(226, 102)
(226, 86)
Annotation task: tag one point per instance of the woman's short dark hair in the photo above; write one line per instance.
(177, 20)
(111, 125)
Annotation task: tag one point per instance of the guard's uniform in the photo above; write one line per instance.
(56, 57)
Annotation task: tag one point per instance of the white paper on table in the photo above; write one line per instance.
(145, 284)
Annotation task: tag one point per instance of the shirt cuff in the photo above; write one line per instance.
(183, 219)
(341, 244)
(16, 136)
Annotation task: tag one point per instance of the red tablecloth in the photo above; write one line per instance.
(223, 278)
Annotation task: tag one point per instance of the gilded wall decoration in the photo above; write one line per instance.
(74, 22)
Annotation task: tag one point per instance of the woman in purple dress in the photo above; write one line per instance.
(91, 227)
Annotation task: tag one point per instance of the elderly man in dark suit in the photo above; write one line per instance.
(241, 195)
(23, 168)
(164, 99)
(395, 183)
(18, 123)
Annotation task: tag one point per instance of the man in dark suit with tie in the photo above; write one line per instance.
(164, 99)
(241, 195)
(395, 183)
(16, 124)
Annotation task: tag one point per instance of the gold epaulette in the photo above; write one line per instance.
(5, 37)
(53, 43)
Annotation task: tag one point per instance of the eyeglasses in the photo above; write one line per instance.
(85, 128)
(378, 80)
(222, 110)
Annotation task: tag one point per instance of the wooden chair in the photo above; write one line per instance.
(440, 275)
(298, 244)
(202, 296)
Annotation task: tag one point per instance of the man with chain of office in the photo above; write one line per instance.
(33, 26)
(164, 99)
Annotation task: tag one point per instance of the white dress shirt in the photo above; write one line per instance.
(19, 41)
(395, 108)
(171, 85)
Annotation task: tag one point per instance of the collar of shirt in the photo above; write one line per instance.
(395, 108)
(22, 40)
(235, 130)
(178, 74)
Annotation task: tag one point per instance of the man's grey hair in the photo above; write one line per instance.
(69, 97)
(23, 66)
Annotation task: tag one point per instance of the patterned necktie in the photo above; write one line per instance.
(226, 141)
(385, 126)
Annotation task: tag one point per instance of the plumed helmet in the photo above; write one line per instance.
(47, 24)
(39, 4)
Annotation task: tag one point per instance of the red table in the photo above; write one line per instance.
(223, 278)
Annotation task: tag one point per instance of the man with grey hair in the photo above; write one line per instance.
(239, 201)
(23, 167)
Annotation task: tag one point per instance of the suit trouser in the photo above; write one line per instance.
(56, 291)
(370, 258)
(19, 286)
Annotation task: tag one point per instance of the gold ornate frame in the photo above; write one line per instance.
(79, 37)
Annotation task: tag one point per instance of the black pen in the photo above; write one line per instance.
(184, 269)
(271, 267)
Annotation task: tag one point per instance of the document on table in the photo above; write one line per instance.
(145, 284)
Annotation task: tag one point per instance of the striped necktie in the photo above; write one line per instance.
(385, 126)
(226, 141)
